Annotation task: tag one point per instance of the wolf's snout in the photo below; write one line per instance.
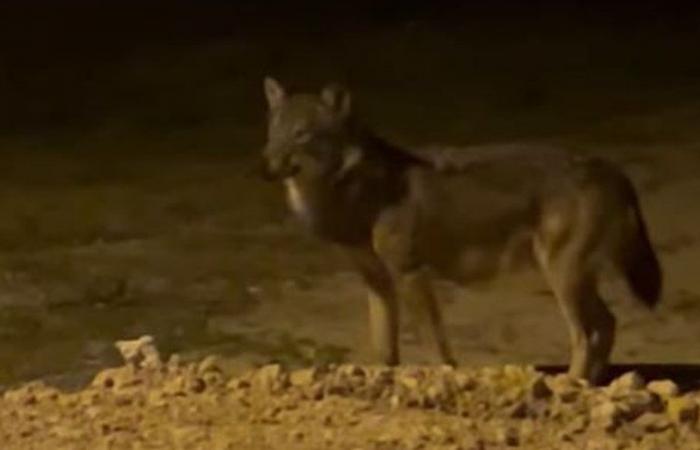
(274, 169)
(265, 171)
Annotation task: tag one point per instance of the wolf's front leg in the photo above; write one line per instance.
(418, 294)
(383, 323)
(383, 306)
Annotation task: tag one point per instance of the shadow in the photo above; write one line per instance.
(686, 376)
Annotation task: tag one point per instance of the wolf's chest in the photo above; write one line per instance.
(296, 200)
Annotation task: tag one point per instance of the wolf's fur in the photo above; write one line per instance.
(405, 217)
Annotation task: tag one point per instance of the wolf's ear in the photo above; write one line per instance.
(274, 92)
(338, 99)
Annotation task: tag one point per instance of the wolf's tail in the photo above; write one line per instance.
(640, 264)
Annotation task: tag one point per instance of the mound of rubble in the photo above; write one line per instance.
(150, 404)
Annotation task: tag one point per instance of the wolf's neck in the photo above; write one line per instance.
(381, 151)
(345, 210)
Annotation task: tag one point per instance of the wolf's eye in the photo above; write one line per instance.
(302, 136)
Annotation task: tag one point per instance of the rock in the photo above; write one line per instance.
(606, 416)
(29, 394)
(174, 363)
(682, 409)
(602, 442)
(507, 435)
(213, 378)
(316, 391)
(351, 370)
(140, 352)
(517, 374)
(630, 381)
(209, 364)
(197, 385)
(117, 378)
(270, 377)
(238, 383)
(409, 381)
(395, 401)
(663, 388)
(569, 395)
(437, 392)
(464, 382)
(176, 385)
(296, 435)
(538, 388)
(577, 426)
(439, 435)
(653, 422)
(509, 396)
(381, 377)
(303, 377)
(566, 387)
(637, 403)
(518, 410)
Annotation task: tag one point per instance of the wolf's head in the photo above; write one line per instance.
(308, 134)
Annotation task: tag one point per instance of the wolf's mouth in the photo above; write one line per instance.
(278, 173)
(290, 171)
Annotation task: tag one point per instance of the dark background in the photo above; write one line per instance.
(152, 67)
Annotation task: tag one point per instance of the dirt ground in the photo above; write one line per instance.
(148, 404)
(149, 218)
(173, 249)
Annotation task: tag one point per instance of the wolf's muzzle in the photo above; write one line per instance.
(275, 170)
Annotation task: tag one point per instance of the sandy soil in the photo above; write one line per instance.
(170, 248)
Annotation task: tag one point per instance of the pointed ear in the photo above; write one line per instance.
(351, 159)
(274, 92)
(338, 99)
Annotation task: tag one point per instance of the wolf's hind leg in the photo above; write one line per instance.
(418, 295)
(591, 324)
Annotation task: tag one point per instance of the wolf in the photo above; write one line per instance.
(407, 217)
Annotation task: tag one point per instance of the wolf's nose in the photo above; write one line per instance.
(266, 172)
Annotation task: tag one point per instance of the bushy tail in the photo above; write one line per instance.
(640, 264)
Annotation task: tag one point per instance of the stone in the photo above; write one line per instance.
(197, 385)
(606, 415)
(637, 403)
(682, 409)
(351, 370)
(538, 388)
(117, 378)
(209, 364)
(630, 381)
(663, 388)
(653, 422)
(566, 387)
(270, 377)
(518, 410)
(140, 352)
(304, 377)
(507, 435)
(577, 426)
(237, 383)
(464, 382)
(408, 381)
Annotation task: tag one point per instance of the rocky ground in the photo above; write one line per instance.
(149, 404)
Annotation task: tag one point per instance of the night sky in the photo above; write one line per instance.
(52, 54)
